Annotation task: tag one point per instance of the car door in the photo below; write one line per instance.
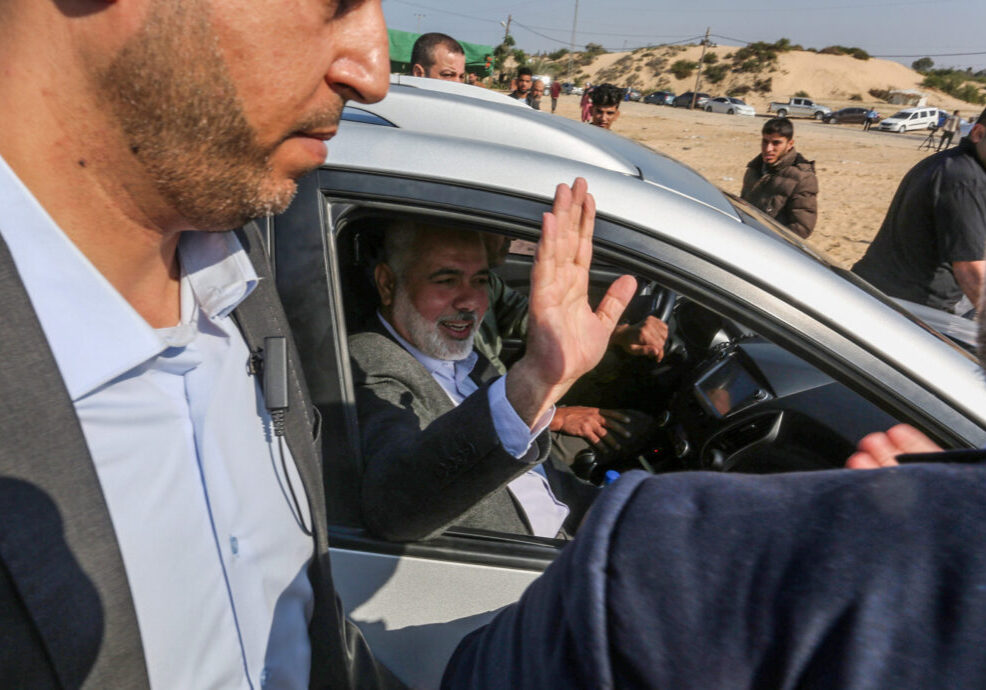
(415, 601)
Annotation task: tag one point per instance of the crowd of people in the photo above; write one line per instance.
(148, 540)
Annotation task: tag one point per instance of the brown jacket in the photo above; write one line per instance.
(786, 191)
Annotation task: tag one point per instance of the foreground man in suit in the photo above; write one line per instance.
(154, 528)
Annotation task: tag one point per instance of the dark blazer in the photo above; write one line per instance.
(428, 463)
(66, 615)
(857, 580)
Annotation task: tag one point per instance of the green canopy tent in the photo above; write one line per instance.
(479, 58)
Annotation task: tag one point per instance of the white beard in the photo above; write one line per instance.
(426, 336)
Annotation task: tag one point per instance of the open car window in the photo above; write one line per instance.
(750, 383)
(722, 398)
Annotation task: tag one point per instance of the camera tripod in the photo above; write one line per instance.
(929, 141)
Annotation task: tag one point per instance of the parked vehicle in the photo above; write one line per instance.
(631, 94)
(848, 116)
(659, 98)
(777, 360)
(910, 119)
(685, 100)
(729, 106)
(570, 88)
(799, 107)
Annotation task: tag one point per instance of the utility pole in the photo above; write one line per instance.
(571, 49)
(701, 62)
(420, 17)
(507, 27)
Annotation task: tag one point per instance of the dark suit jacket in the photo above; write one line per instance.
(856, 580)
(428, 463)
(66, 615)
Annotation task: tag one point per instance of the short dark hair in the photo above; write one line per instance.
(525, 70)
(423, 51)
(606, 96)
(981, 120)
(780, 126)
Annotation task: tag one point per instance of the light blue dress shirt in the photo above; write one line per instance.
(183, 448)
(545, 513)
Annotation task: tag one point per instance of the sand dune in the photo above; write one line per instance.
(830, 79)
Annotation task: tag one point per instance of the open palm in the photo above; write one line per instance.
(566, 338)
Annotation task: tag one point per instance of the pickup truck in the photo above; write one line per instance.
(799, 107)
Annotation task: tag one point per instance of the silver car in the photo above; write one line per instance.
(729, 106)
(777, 360)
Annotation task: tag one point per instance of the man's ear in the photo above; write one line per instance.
(386, 282)
(417, 70)
(977, 133)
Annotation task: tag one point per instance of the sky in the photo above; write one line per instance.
(951, 32)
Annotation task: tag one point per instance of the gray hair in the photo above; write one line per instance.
(398, 242)
(400, 236)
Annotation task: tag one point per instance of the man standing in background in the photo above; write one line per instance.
(555, 93)
(438, 56)
(605, 109)
(525, 79)
(780, 181)
(948, 131)
(929, 249)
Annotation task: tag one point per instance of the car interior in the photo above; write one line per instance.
(721, 399)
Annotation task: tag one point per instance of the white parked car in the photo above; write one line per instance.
(910, 118)
(730, 106)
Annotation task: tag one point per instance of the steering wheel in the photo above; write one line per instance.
(652, 299)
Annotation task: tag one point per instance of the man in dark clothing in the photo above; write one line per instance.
(929, 249)
(525, 79)
(780, 181)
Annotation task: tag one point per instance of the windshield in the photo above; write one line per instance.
(737, 101)
(902, 115)
(757, 219)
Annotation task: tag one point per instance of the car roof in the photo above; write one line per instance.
(467, 112)
(455, 87)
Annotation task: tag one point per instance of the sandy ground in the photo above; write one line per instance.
(858, 172)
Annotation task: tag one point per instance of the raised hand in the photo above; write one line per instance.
(566, 338)
(881, 449)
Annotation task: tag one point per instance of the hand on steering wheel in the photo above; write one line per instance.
(592, 424)
(643, 339)
(645, 331)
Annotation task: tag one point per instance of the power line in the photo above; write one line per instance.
(930, 55)
(444, 11)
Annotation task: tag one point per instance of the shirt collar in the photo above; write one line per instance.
(93, 332)
(441, 367)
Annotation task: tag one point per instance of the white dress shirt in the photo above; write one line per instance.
(545, 513)
(184, 453)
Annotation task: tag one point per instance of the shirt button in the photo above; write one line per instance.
(234, 545)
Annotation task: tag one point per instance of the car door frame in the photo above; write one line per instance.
(414, 601)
